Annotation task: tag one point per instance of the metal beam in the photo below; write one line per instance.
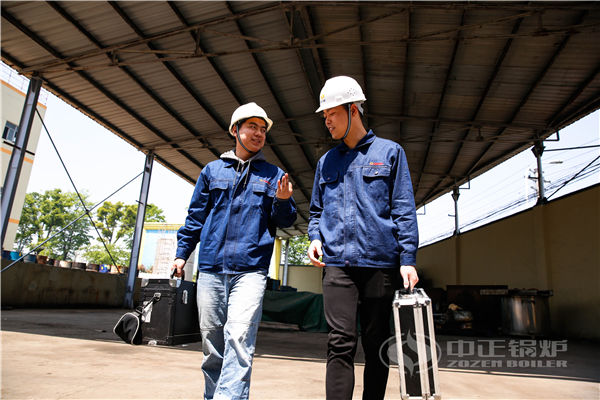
(455, 196)
(592, 104)
(53, 88)
(525, 98)
(390, 43)
(201, 48)
(132, 43)
(471, 123)
(241, 100)
(425, 5)
(305, 149)
(304, 44)
(560, 110)
(538, 150)
(404, 106)
(305, 57)
(363, 64)
(307, 22)
(353, 25)
(435, 127)
(435, 189)
(13, 172)
(589, 106)
(274, 148)
(137, 233)
(176, 116)
(55, 53)
(287, 262)
(163, 104)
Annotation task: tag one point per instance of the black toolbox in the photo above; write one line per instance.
(416, 348)
(172, 318)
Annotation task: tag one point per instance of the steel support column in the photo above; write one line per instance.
(286, 265)
(137, 233)
(13, 173)
(455, 196)
(538, 150)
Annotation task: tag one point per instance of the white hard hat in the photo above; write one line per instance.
(246, 111)
(340, 90)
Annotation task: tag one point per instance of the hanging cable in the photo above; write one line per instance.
(70, 223)
(76, 191)
(574, 176)
(575, 148)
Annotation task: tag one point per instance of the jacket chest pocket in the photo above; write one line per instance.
(377, 180)
(329, 183)
(262, 194)
(219, 192)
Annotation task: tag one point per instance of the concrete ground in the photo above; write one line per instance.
(73, 354)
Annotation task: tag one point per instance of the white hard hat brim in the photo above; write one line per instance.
(266, 119)
(340, 90)
(249, 110)
(328, 106)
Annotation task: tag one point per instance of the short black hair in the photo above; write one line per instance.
(241, 121)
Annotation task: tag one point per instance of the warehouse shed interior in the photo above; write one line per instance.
(461, 86)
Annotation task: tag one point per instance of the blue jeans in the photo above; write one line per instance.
(230, 309)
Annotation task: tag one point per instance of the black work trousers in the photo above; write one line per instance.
(348, 294)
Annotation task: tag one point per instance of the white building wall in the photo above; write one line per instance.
(13, 88)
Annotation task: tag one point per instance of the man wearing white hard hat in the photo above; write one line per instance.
(238, 203)
(363, 224)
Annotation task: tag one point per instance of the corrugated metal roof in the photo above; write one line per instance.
(461, 86)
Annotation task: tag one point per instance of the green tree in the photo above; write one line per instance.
(71, 239)
(297, 251)
(116, 221)
(108, 220)
(116, 224)
(46, 214)
(96, 253)
(29, 225)
(153, 214)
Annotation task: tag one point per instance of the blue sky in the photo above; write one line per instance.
(99, 163)
(504, 190)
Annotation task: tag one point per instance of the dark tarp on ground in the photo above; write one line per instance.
(304, 309)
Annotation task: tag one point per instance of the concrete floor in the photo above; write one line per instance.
(73, 354)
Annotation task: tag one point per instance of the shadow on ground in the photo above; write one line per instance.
(562, 359)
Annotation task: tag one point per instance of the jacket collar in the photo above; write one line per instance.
(230, 155)
(365, 141)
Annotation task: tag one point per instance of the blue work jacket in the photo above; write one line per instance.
(362, 207)
(234, 214)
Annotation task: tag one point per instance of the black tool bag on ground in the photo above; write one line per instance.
(129, 326)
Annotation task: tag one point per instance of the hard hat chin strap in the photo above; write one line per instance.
(237, 133)
(349, 121)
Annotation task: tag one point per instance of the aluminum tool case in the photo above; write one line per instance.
(417, 355)
(173, 317)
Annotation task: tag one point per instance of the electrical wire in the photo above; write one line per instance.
(87, 212)
(71, 223)
(559, 180)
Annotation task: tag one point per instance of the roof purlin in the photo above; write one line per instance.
(435, 126)
(78, 105)
(547, 66)
(434, 190)
(55, 53)
(178, 118)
